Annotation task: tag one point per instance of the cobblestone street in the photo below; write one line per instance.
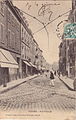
(37, 95)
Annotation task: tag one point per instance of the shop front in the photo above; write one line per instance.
(26, 69)
(33, 69)
(8, 67)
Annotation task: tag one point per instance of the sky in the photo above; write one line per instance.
(43, 12)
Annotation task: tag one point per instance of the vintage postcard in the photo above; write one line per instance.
(38, 59)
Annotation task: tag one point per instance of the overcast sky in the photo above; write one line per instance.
(46, 11)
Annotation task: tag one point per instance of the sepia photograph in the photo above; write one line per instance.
(38, 59)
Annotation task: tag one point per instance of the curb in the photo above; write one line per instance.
(12, 87)
(72, 89)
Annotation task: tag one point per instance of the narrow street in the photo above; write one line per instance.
(37, 95)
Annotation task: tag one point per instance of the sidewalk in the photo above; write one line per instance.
(15, 83)
(67, 81)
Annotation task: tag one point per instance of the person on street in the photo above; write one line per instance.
(52, 78)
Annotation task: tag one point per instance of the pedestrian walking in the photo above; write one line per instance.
(51, 78)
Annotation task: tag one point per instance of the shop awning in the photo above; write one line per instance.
(7, 60)
(32, 65)
(26, 63)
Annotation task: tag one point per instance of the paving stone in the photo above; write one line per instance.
(37, 94)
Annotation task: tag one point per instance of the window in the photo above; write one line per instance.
(12, 20)
(25, 36)
(9, 37)
(22, 34)
(9, 15)
(2, 32)
(17, 41)
(13, 40)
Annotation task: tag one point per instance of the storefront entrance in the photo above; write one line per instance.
(4, 76)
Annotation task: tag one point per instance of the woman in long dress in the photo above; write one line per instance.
(51, 78)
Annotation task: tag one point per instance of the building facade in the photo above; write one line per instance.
(3, 41)
(62, 57)
(25, 51)
(71, 45)
(14, 38)
(20, 55)
(69, 49)
(9, 42)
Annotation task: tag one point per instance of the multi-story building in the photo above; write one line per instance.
(62, 57)
(39, 60)
(43, 64)
(10, 50)
(3, 41)
(30, 51)
(36, 56)
(36, 53)
(70, 47)
(20, 54)
(14, 37)
(25, 50)
(72, 42)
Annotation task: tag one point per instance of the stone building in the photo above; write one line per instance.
(25, 51)
(3, 41)
(20, 55)
(29, 49)
(10, 68)
(62, 57)
(39, 61)
(70, 47)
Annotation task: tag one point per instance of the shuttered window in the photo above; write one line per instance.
(13, 40)
(9, 37)
(2, 33)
